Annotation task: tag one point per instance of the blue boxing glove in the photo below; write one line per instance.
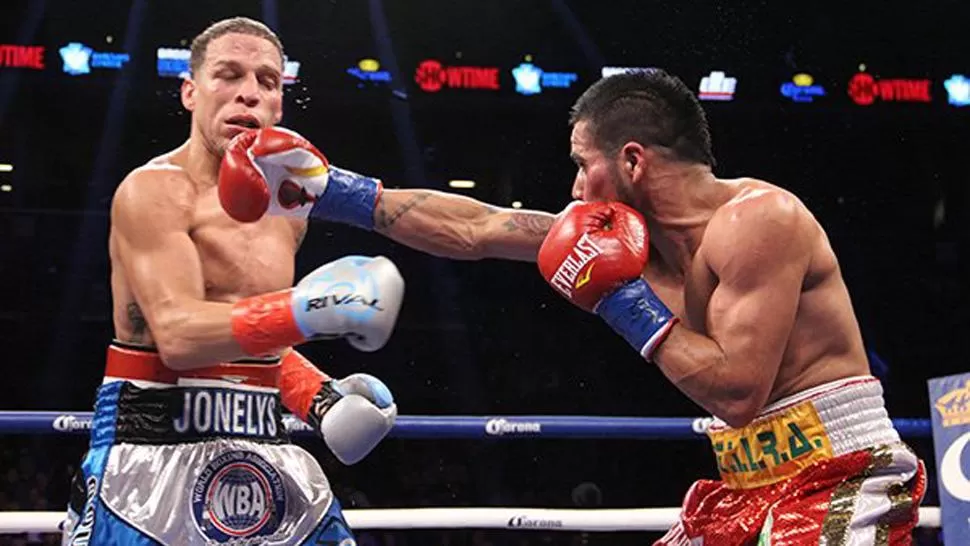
(277, 171)
(594, 255)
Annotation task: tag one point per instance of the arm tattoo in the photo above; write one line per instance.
(533, 224)
(386, 219)
(139, 326)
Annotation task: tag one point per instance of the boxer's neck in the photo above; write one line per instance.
(679, 202)
(202, 164)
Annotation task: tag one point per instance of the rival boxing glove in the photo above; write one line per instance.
(356, 298)
(276, 171)
(594, 255)
(353, 415)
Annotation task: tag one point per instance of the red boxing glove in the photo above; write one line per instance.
(271, 170)
(592, 249)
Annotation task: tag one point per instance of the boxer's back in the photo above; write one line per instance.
(237, 260)
(825, 342)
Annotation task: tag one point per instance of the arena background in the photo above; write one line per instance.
(888, 182)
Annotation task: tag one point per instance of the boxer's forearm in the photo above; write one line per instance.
(433, 222)
(458, 227)
(698, 366)
(196, 334)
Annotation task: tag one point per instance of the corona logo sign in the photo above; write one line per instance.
(369, 70)
(865, 89)
(433, 76)
(802, 88)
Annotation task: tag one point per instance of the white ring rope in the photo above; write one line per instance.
(516, 519)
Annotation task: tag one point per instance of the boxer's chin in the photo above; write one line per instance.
(216, 144)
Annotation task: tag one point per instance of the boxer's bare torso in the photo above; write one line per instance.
(237, 260)
(824, 343)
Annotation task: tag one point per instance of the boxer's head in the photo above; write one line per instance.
(625, 123)
(236, 81)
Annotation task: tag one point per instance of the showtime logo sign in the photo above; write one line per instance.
(21, 56)
(864, 89)
(432, 76)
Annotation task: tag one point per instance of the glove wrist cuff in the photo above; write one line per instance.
(265, 323)
(326, 397)
(636, 313)
(349, 198)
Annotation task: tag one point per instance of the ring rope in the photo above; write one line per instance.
(514, 519)
(457, 426)
(461, 426)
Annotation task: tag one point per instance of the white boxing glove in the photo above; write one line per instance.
(353, 415)
(355, 297)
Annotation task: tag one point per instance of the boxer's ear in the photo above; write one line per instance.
(633, 160)
(188, 94)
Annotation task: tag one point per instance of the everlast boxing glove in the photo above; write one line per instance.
(594, 255)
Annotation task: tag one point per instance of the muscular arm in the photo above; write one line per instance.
(760, 259)
(150, 225)
(458, 227)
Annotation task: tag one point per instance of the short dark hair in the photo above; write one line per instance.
(235, 25)
(651, 107)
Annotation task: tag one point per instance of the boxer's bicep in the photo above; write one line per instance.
(751, 320)
(752, 310)
(161, 264)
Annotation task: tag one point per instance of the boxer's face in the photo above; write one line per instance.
(597, 175)
(238, 86)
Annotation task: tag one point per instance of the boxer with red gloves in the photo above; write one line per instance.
(730, 287)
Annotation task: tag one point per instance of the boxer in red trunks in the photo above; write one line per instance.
(730, 287)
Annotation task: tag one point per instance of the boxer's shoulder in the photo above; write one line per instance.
(759, 220)
(154, 191)
(755, 204)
